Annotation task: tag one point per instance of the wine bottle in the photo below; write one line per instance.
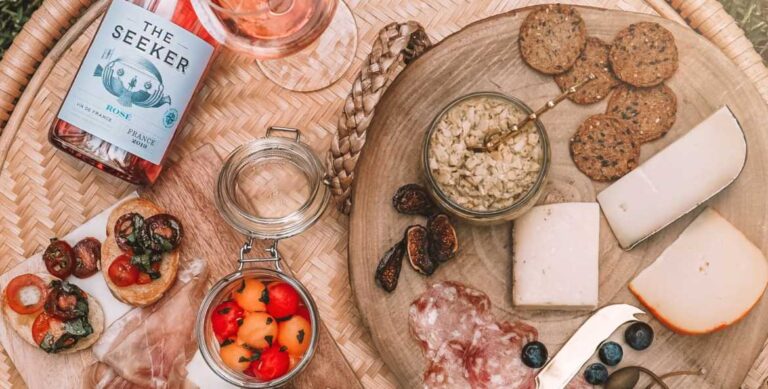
(132, 89)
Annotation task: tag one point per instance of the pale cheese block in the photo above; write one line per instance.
(556, 250)
(676, 180)
(708, 279)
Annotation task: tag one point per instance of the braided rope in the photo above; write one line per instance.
(396, 46)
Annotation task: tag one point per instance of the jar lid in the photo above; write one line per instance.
(272, 187)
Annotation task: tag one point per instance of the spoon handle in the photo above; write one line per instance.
(494, 139)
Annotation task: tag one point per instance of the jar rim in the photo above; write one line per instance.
(531, 193)
(272, 148)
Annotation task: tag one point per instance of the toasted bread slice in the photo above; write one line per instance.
(22, 324)
(137, 295)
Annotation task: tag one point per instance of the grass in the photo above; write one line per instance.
(752, 16)
(13, 14)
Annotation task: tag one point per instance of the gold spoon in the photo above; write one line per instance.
(492, 140)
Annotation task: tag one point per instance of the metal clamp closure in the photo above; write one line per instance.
(274, 256)
(296, 133)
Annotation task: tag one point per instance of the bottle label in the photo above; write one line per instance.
(136, 80)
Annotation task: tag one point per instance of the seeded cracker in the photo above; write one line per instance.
(594, 60)
(652, 110)
(604, 147)
(552, 37)
(644, 54)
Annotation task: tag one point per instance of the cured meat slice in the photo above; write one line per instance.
(447, 311)
(493, 358)
(446, 370)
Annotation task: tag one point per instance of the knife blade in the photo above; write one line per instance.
(559, 371)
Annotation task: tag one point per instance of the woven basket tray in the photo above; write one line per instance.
(44, 193)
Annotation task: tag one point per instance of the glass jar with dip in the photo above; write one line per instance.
(269, 189)
(485, 187)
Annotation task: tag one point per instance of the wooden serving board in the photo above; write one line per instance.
(485, 57)
(186, 190)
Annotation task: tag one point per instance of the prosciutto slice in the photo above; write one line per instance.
(150, 347)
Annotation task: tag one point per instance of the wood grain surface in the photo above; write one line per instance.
(705, 81)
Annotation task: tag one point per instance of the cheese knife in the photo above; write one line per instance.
(559, 371)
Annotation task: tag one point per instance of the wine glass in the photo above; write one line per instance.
(301, 45)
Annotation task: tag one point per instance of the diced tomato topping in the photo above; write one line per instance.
(144, 278)
(122, 272)
(26, 294)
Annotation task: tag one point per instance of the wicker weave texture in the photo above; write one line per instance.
(44, 193)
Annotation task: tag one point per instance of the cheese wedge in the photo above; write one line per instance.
(676, 180)
(708, 279)
(555, 257)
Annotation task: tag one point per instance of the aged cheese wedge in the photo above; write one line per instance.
(676, 180)
(708, 279)
(555, 257)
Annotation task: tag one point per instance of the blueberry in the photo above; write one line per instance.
(639, 335)
(596, 374)
(610, 353)
(535, 355)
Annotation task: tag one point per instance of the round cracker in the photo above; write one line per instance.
(652, 110)
(552, 37)
(604, 147)
(644, 54)
(593, 60)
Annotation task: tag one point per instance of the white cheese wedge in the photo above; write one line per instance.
(676, 180)
(708, 279)
(556, 250)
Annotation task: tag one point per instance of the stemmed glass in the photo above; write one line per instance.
(301, 45)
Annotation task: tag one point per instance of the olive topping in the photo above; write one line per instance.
(596, 374)
(165, 232)
(59, 258)
(66, 301)
(413, 199)
(443, 242)
(131, 233)
(388, 271)
(417, 248)
(639, 335)
(535, 354)
(610, 353)
(87, 257)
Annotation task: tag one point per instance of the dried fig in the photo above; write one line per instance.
(443, 242)
(388, 271)
(413, 199)
(417, 248)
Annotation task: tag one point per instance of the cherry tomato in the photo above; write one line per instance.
(43, 325)
(26, 294)
(283, 300)
(165, 232)
(295, 334)
(66, 301)
(224, 320)
(272, 363)
(131, 232)
(236, 356)
(251, 295)
(144, 278)
(59, 258)
(122, 272)
(87, 256)
(303, 312)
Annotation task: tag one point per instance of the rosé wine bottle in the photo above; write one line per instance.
(133, 88)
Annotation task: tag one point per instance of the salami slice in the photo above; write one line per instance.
(446, 370)
(447, 311)
(493, 358)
